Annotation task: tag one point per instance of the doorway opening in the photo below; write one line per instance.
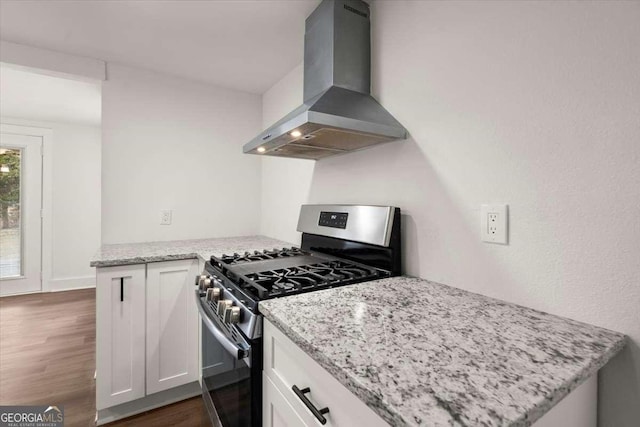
(50, 156)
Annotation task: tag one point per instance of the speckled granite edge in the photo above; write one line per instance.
(389, 414)
(140, 253)
(544, 405)
(145, 259)
(374, 402)
(393, 416)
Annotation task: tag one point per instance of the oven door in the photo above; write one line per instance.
(228, 375)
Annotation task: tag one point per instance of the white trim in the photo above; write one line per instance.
(47, 165)
(147, 403)
(70, 283)
(52, 63)
(21, 293)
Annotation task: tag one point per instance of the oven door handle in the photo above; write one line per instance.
(236, 350)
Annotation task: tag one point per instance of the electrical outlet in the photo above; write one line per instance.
(494, 223)
(165, 217)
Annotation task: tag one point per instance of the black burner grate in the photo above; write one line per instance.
(340, 270)
(260, 256)
(261, 275)
(271, 283)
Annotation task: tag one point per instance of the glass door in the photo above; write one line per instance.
(20, 213)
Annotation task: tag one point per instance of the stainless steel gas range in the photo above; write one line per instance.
(341, 245)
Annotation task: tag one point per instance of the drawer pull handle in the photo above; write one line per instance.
(121, 289)
(318, 413)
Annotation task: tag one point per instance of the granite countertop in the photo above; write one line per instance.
(422, 353)
(140, 253)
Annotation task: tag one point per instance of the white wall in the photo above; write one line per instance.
(45, 98)
(535, 104)
(45, 61)
(169, 143)
(285, 183)
(75, 187)
(76, 200)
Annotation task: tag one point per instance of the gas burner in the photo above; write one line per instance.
(285, 279)
(260, 256)
(338, 271)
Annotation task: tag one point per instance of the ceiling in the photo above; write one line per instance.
(40, 97)
(245, 45)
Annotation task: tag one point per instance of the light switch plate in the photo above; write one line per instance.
(494, 223)
(165, 216)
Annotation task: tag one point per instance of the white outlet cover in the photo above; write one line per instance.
(165, 216)
(494, 223)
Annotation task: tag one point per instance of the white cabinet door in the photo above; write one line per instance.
(172, 325)
(120, 331)
(276, 411)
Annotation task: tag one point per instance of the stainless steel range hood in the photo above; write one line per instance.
(338, 114)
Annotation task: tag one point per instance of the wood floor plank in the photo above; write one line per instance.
(47, 357)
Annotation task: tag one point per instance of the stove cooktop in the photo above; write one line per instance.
(278, 272)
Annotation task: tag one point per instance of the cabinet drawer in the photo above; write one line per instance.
(287, 365)
(276, 411)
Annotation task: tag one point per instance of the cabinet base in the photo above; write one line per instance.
(148, 403)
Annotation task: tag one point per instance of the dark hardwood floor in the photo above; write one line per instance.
(47, 357)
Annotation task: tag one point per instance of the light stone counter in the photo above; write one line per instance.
(425, 354)
(140, 253)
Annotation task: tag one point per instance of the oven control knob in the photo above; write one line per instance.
(199, 279)
(223, 304)
(232, 315)
(213, 294)
(205, 284)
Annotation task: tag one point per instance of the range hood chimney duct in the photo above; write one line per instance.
(338, 114)
(337, 48)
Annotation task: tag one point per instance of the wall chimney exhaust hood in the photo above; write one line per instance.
(338, 114)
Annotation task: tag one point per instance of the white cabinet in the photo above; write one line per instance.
(172, 325)
(276, 411)
(120, 332)
(147, 328)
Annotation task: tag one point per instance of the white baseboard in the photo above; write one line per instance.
(70, 283)
(148, 403)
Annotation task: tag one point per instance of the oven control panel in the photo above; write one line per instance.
(333, 219)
